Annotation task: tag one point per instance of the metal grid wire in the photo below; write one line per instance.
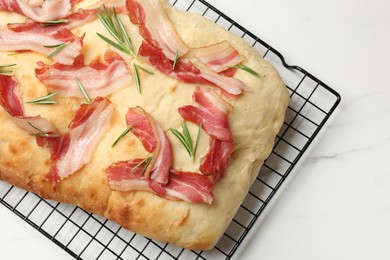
(87, 236)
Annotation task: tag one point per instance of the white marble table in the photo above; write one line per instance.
(336, 203)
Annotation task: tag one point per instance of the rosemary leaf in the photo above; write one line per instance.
(187, 136)
(145, 70)
(197, 139)
(122, 135)
(246, 68)
(59, 47)
(182, 139)
(175, 61)
(136, 77)
(5, 71)
(6, 66)
(146, 163)
(82, 89)
(115, 45)
(41, 132)
(186, 140)
(53, 22)
(106, 20)
(45, 100)
(122, 30)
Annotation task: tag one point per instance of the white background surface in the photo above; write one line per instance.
(336, 204)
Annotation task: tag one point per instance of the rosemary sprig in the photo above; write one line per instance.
(136, 75)
(53, 22)
(122, 135)
(6, 66)
(41, 132)
(115, 27)
(45, 100)
(82, 89)
(246, 68)
(59, 47)
(175, 61)
(186, 140)
(146, 163)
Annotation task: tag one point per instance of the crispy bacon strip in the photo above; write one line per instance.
(155, 141)
(10, 101)
(21, 41)
(213, 116)
(155, 27)
(74, 149)
(39, 11)
(188, 72)
(218, 57)
(98, 79)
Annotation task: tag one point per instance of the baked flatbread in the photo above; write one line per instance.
(33, 139)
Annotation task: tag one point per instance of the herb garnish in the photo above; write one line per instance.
(246, 68)
(176, 59)
(41, 132)
(82, 89)
(59, 47)
(53, 22)
(45, 100)
(122, 135)
(6, 66)
(186, 140)
(115, 27)
(136, 76)
(146, 163)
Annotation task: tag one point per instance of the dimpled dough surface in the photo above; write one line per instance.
(256, 119)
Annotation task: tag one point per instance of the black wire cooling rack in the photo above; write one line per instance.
(87, 236)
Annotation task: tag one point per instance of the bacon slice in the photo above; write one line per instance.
(10, 101)
(190, 187)
(39, 11)
(188, 72)
(98, 79)
(211, 113)
(74, 20)
(217, 158)
(9, 98)
(126, 176)
(218, 57)
(213, 116)
(155, 27)
(186, 186)
(155, 141)
(74, 149)
(21, 41)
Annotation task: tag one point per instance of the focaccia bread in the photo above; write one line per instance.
(93, 176)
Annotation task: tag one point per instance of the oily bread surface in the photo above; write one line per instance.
(254, 122)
